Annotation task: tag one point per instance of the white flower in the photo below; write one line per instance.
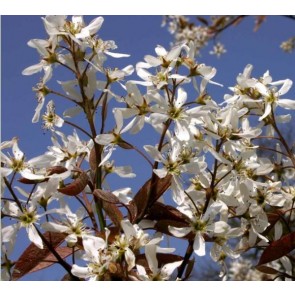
(218, 49)
(271, 95)
(18, 164)
(201, 225)
(95, 253)
(46, 50)
(70, 150)
(27, 218)
(157, 274)
(50, 118)
(122, 171)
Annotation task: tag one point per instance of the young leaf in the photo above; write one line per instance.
(112, 199)
(160, 211)
(278, 249)
(92, 159)
(113, 212)
(33, 255)
(106, 196)
(76, 187)
(163, 258)
(267, 270)
(141, 199)
(50, 259)
(56, 170)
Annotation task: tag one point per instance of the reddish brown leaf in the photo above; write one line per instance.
(132, 211)
(106, 196)
(258, 22)
(161, 211)
(92, 159)
(50, 259)
(219, 22)
(144, 196)
(203, 20)
(56, 170)
(273, 218)
(278, 249)
(76, 187)
(267, 270)
(31, 181)
(111, 198)
(163, 258)
(113, 212)
(32, 256)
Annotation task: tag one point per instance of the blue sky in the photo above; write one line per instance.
(138, 36)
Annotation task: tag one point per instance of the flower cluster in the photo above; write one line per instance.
(209, 186)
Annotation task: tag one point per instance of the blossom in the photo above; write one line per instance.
(200, 225)
(46, 49)
(72, 225)
(50, 118)
(157, 274)
(69, 151)
(122, 171)
(218, 49)
(271, 95)
(97, 258)
(27, 218)
(110, 140)
(58, 25)
(18, 163)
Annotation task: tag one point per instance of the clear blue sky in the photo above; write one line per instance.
(138, 36)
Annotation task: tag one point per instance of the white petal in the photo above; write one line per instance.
(72, 112)
(116, 55)
(4, 172)
(262, 89)
(181, 97)
(130, 258)
(150, 253)
(38, 109)
(32, 69)
(181, 130)
(18, 154)
(29, 175)
(154, 153)
(104, 139)
(288, 104)
(141, 270)
(91, 29)
(199, 245)
(34, 236)
(153, 61)
(128, 228)
(80, 272)
(157, 118)
(54, 227)
(9, 232)
(220, 227)
(267, 111)
(161, 172)
(286, 87)
(160, 50)
(179, 232)
(169, 268)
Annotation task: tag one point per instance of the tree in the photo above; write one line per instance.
(208, 187)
